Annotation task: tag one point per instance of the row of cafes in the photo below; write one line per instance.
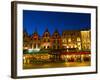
(56, 56)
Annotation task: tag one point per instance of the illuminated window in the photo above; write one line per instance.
(71, 46)
(79, 44)
(78, 39)
(75, 46)
(64, 40)
(67, 46)
(79, 47)
(69, 40)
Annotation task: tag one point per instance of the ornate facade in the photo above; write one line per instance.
(56, 40)
(35, 41)
(46, 40)
(68, 46)
(69, 40)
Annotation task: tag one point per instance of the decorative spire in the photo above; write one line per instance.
(56, 30)
(46, 32)
(35, 31)
(56, 33)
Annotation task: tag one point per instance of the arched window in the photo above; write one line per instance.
(56, 35)
(34, 45)
(44, 40)
(64, 40)
(46, 35)
(69, 40)
(34, 38)
(48, 47)
(78, 39)
(48, 40)
(58, 46)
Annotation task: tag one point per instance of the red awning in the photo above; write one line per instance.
(69, 53)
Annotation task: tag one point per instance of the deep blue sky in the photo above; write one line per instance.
(41, 20)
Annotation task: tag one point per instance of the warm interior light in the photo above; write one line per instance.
(25, 47)
(30, 50)
(75, 46)
(67, 46)
(71, 46)
(69, 40)
(79, 43)
(24, 58)
(78, 39)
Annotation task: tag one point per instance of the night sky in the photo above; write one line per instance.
(41, 20)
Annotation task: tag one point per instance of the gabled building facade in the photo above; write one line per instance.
(69, 40)
(26, 40)
(46, 40)
(56, 40)
(35, 41)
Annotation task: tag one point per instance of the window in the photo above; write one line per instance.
(48, 47)
(34, 45)
(54, 41)
(75, 46)
(44, 40)
(64, 40)
(69, 40)
(34, 38)
(58, 46)
(64, 34)
(78, 43)
(46, 35)
(56, 35)
(48, 40)
(78, 39)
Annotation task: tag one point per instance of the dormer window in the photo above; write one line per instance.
(46, 35)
